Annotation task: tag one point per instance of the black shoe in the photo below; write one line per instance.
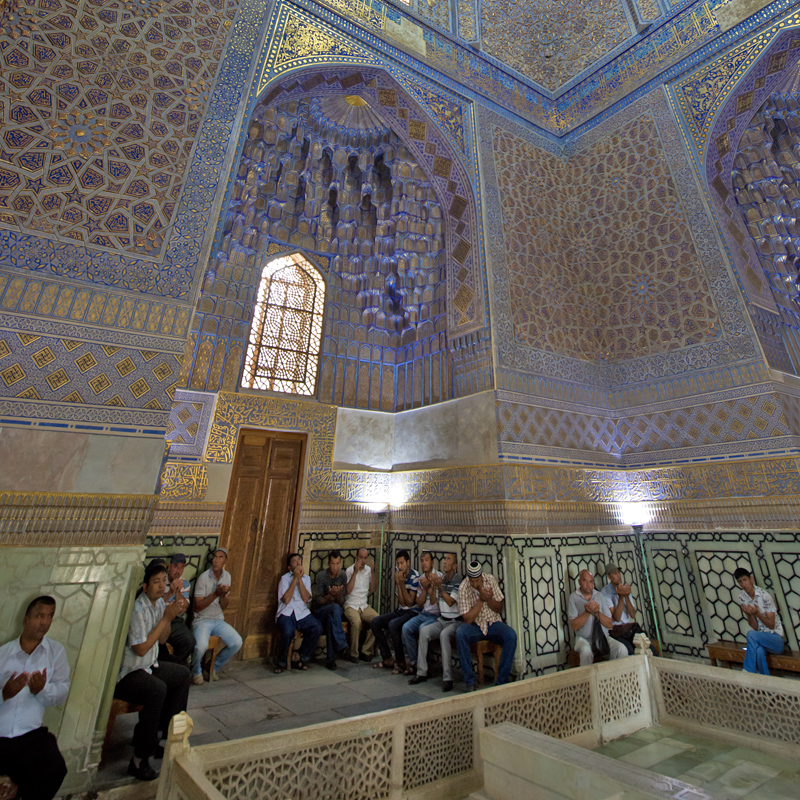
(144, 772)
(365, 657)
(351, 659)
(418, 679)
(447, 686)
(330, 664)
(470, 687)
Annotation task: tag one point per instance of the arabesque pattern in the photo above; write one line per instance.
(767, 713)
(620, 695)
(326, 768)
(103, 105)
(608, 271)
(437, 748)
(559, 713)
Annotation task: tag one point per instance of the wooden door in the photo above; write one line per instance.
(259, 530)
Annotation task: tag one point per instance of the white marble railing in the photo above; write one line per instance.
(425, 750)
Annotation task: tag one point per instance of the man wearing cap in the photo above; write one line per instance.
(588, 607)
(180, 637)
(480, 603)
(210, 601)
(623, 611)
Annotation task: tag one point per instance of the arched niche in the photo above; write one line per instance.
(346, 166)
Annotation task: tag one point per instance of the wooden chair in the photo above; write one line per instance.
(117, 707)
(482, 648)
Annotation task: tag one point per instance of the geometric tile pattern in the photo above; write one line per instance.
(540, 586)
(620, 696)
(104, 102)
(552, 44)
(68, 370)
(721, 592)
(673, 595)
(787, 578)
(756, 417)
(609, 270)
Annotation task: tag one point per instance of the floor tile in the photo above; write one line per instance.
(742, 779)
(212, 737)
(676, 765)
(295, 681)
(320, 699)
(281, 724)
(246, 712)
(214, 694)
(782, 787)
(383, 704)
(204, 722)
(649, 755)
(377, 688)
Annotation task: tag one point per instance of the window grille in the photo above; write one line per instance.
(286, 334)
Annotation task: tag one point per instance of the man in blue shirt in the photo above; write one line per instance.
(180, 638)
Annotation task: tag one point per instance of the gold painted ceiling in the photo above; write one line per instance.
(552, 42)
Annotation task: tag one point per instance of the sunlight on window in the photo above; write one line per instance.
(286, 333)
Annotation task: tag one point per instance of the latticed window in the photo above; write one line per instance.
(286, 333)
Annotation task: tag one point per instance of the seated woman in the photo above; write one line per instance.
(766, 635)
(294, 595)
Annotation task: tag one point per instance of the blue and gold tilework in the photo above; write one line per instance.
(34, 367)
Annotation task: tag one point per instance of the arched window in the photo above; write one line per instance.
(285, 337)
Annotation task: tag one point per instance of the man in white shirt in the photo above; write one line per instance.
(428, 605)
(34, 674)
(762, 615)
(294, 595)
(361, 583)
(210, 601)
(162, 690)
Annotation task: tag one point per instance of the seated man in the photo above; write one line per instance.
(328, 601)
(161, 689)
(586, 605)
(762, 615)
(362, 581)
(210, 601)
(406, 583)
(34, 674)
(180, 637)
(428, 605)
(480, 602)
(294, 595)
(623, 611)
(445, 626)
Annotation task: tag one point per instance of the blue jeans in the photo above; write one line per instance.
(202, 629)
(411, 631)
(393, 624)
(309, 626)
(497, 633)
(759, 643)
(330, 615)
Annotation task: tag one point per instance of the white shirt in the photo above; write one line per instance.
(205, 585)
(144, 617)
(430, 608)
(296, 604)
(765, 604)
(357, 599)
(23, 712)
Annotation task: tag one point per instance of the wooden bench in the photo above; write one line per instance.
(728, 653)
(482, 648)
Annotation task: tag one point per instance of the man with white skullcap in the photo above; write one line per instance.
(480, 602)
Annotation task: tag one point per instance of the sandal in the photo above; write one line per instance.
(278, 670)
(299, 665)
(411, 670)
(383, 665)
(399, 668)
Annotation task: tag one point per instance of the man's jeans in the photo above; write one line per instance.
(411, 631)
(309, 626)
(202, 630)
(759, 643)
(330, 615)
(445, 631)
(497, 633)
(393, 624)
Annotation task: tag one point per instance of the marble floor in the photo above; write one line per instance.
(249, 699)
(725, 769)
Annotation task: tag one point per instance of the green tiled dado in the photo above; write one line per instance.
(727, 770)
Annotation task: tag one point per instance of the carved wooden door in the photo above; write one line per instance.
(259, 530)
